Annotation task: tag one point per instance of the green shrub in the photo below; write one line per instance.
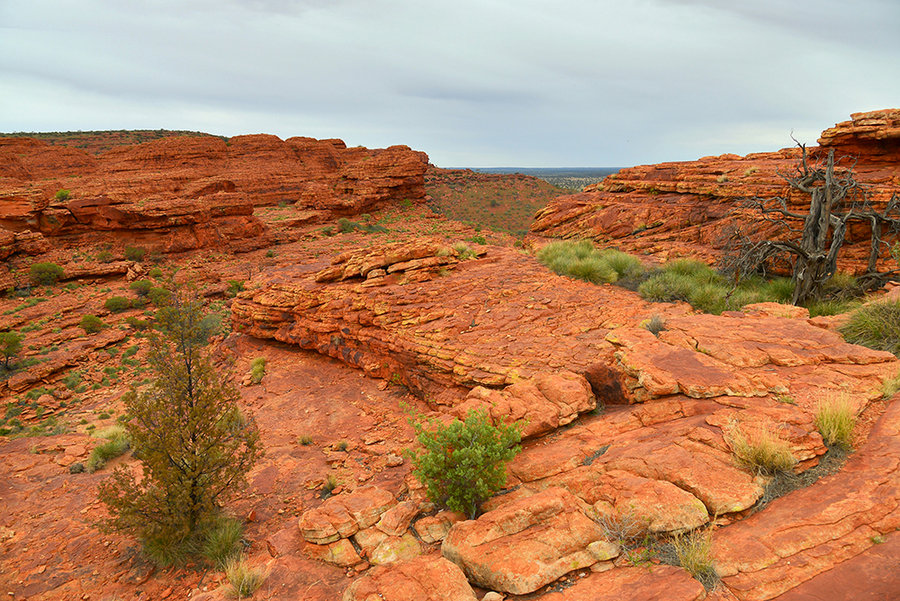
(835, 420)
(137, 323)
(876, 325)
(104, 256)
(10, 346)
(115, 445)
(463, 463)
(159, 296)
(46, 273)
(257, 370)
(135, 253)
(141, 287)
(304, 440)
(117, 304)
(155, 273)
(345, 226)
(91, 324)
(72, 379)
(234, 287)
(62, 195)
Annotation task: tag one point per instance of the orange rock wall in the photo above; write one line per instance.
(685, 208)
(181, 193)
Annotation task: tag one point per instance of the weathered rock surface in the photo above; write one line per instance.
(342, 516)
(427, 578)
(526, 543)
(449, 332)
(807, 532)
(683, 208)
(639, 583)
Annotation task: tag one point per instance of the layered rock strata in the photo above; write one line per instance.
(182, 193)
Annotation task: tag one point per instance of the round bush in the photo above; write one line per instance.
(91, 324)
(117, 304)
(46, 273)
(141, 287)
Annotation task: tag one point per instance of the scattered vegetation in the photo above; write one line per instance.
(760, 450)
(257, 370)
(463, 463)
(62, 195)
(244, 580)
(159, 296)
(875, 325)
(188, 417)
(345, 226)
(46, 274)
(91, 324)
(583, 261)
(835, 420)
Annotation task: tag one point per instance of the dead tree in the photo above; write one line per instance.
(808, 243)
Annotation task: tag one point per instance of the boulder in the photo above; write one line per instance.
(526, 543)
(425, 578)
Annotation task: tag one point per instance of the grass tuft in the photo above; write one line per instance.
(244, 579)
(583, 261)
(761, 450)
(116, 444)
(257, 370)
(835, 420)
(891, 387)
(222, 541)
(694, 553)
(876, 325)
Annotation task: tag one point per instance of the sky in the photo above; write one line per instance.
(479, 83)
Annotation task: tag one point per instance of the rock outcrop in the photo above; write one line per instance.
(526, 543)
(182, 193)
(685, 208)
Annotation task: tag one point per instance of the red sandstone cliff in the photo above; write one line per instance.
(684, 208)
(182, 193)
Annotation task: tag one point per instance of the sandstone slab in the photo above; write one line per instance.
(426, 578)
(524, 544)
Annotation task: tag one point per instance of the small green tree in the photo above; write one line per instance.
(463, 463)
(194, 443)
(10, 346)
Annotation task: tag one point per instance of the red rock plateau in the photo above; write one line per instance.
(686, 208)
(625, 431)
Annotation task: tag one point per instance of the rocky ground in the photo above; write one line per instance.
(624, 427)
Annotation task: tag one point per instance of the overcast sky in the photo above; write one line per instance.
(525, 83)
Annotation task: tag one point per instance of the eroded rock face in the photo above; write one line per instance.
(427, 578)
(182, 193)
(650, 583)
(683, 208)
(444, 332)
(526, 543)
